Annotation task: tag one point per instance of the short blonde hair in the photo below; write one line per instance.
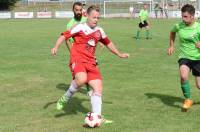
(92, 8)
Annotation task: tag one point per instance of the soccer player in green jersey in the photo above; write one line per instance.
(143, 22)
(78, 18)
(189, 57)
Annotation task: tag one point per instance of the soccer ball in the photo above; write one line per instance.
(93, 120)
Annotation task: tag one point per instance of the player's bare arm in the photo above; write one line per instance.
(171, 43)
(114, 50)
(57, 45)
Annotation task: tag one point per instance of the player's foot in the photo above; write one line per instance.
(61, 102)
(106, 121)
(187, 104)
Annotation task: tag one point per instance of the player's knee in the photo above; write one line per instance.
(97, 93)
(184, 79)
(198, 85)
(80, 81)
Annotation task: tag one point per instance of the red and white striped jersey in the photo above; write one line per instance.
(85, 42)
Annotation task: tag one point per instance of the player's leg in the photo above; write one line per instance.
(139, 30)
(95, 82)
(80, 78)
(184, 73)
(147, 30)
(198, 82)
(196, 72)
(96, 97)
(156, 13)
(161, 13)
(184, 69)
(89, 91)
(166, 13)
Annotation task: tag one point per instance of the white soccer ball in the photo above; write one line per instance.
(93, 119)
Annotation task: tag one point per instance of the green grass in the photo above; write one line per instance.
(141, 94)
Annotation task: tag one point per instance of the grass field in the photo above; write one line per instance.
(141, 94)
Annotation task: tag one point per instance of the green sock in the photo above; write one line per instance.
(186, 89)
(147, 33)
(138, 34)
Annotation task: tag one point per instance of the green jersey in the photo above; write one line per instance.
(143, 15)
(73, 22)
(189, 36)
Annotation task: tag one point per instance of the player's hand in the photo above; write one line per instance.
(170, 50)
(197, 45)
(54, 51)
(124, 55)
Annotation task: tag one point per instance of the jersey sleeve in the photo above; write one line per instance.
(175, 28)
(72, 32)
(104, 39)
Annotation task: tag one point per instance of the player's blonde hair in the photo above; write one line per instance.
(92, 8)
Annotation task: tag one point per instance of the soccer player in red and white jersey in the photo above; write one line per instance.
(82, 59)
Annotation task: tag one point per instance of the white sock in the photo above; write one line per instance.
(96, 103)
(72, 89)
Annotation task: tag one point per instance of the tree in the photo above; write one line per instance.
(7, 4)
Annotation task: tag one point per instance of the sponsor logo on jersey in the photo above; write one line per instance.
(97, 35)
(91, 42)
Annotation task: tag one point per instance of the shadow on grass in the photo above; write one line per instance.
(48, 104)
(169, 100)
(62, 86)
(75, 104)
(166, 99)
(73, 107)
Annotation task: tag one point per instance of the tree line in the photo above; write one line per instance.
(6, 5)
